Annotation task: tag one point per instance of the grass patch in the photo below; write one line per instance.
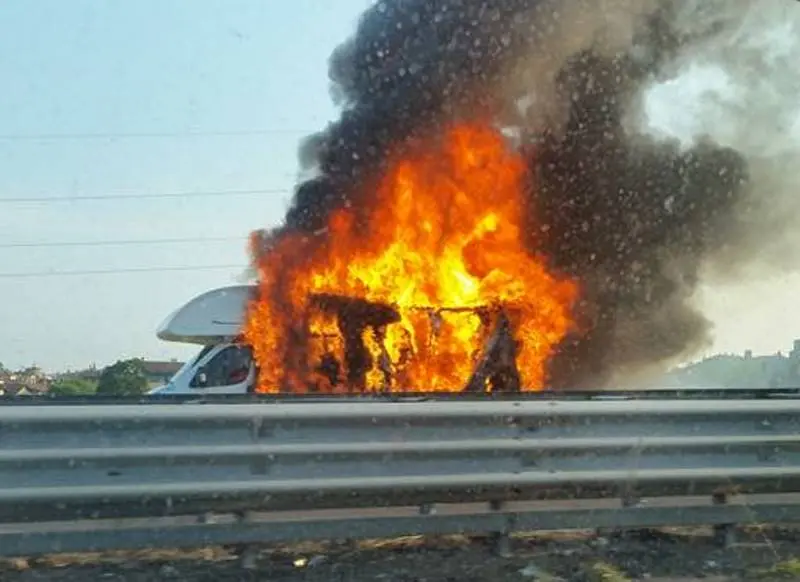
(604, 572)
(786, 570)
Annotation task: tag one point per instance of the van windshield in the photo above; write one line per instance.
(193, 361)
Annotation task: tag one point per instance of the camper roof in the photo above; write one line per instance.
(214, 316)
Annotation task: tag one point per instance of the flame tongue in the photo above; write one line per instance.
(438, 248)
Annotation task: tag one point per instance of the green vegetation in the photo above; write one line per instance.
(73, 387)
(604, 572)
(124, 378)
(786, 570)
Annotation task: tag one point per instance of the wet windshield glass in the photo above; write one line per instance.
(449, 290)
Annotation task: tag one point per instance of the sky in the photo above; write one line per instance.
(162, 82)
(108, 109)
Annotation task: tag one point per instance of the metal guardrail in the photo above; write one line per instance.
(546, 395)
(67, 472)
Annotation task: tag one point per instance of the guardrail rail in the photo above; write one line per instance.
(93, 477)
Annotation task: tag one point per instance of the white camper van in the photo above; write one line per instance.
(212, 320)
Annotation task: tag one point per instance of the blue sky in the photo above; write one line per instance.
(164, 81)
(145, 67)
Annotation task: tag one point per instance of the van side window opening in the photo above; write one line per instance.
(230, 366)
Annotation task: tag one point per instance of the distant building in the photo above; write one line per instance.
(743, 371)
(29, 381)
(15, 388)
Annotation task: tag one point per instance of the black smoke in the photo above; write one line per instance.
(632, 219)
(410, 65)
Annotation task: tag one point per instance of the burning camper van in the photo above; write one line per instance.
(348, 354)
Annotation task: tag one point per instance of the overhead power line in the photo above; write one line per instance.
(142, 196)
(101, 243)
(88, 272)
(150, 135)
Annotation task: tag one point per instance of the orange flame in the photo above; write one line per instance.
(440, 239)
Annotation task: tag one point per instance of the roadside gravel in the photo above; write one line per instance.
(663, 556)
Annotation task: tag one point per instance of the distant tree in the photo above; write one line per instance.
(73, 387)
(124, 378)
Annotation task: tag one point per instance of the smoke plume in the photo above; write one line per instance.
(636, 218)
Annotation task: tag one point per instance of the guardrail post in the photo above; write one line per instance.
(500, 540)
(724, 534)
(628, 498)
(206, 518)
(247, 553)
(427, 509)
